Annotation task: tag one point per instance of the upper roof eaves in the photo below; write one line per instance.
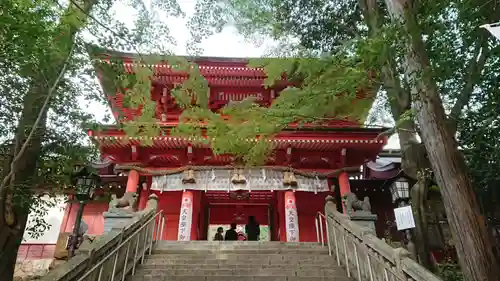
(102, 53)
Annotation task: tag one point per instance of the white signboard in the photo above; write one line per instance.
(291, 218)
(185, 217)
(404, 218)
(494, 29)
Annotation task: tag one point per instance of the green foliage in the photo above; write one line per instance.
(450, 271)
(465, 60)
(35, 38)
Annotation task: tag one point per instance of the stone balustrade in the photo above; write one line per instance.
(108, 255)
(364, 256)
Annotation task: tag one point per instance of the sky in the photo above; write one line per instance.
(227, 43)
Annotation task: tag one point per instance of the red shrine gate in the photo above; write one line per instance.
(195, 187)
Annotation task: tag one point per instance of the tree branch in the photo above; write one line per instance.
(392, 131)
(472, 77)
(38, 118)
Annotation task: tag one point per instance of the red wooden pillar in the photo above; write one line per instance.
(281, 215)
(344, 188)
(195, 230)
(132, 181)
(144, 196)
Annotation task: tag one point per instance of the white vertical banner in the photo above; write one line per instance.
(185, 217)
(291, 218)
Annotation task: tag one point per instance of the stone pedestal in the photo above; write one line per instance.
(116, 220)
(364, 219)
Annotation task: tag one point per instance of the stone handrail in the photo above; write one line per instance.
(142, 226)
(364, 256)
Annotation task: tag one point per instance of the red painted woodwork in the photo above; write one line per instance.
(133, 181)
(92, 215)
(35, 251)
(314, 148)
(228, 79)
(170, 203)
(281, 215)
(226, 214)
(143, 196)
(344, 187)
(195, 231)
(308, 205)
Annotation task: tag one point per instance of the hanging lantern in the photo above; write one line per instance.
(400, 190)
(188, 177)
(235, 177)
(241, 178)
(289, 179)
(238, 177)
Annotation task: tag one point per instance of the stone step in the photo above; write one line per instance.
(235, 245)
(201, 243)
(253, 262)
(241, 251)
(336, 272)
(226, 266)
(231, 257)
(235, 278)
(238, 261)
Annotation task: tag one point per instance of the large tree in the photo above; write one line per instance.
(451, 39)
(43, 49)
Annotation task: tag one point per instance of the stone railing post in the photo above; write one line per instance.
(120, 228)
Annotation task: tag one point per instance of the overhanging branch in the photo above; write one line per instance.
(472, 77)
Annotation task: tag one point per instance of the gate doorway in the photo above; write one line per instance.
(227, 208)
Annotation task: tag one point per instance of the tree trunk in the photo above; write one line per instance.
(419, 193)
(470, 238)
(15, 195)
(412, 153)
(15, 198)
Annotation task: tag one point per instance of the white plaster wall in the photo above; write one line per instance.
(54, 218)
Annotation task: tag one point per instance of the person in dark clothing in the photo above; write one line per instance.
(252, 229)
(231, 234)
(218, 235)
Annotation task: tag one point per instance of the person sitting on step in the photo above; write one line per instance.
(231, 234)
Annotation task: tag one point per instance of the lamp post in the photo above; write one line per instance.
(84, 183)
(400, 191)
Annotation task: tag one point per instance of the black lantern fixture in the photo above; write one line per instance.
(84, 183)
(400, 190)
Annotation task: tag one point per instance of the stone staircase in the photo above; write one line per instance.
(238, 261)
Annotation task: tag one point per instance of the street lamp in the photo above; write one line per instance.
(84, 182)
(400, 191)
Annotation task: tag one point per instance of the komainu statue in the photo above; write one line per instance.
(352, 203)
(126, 203)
